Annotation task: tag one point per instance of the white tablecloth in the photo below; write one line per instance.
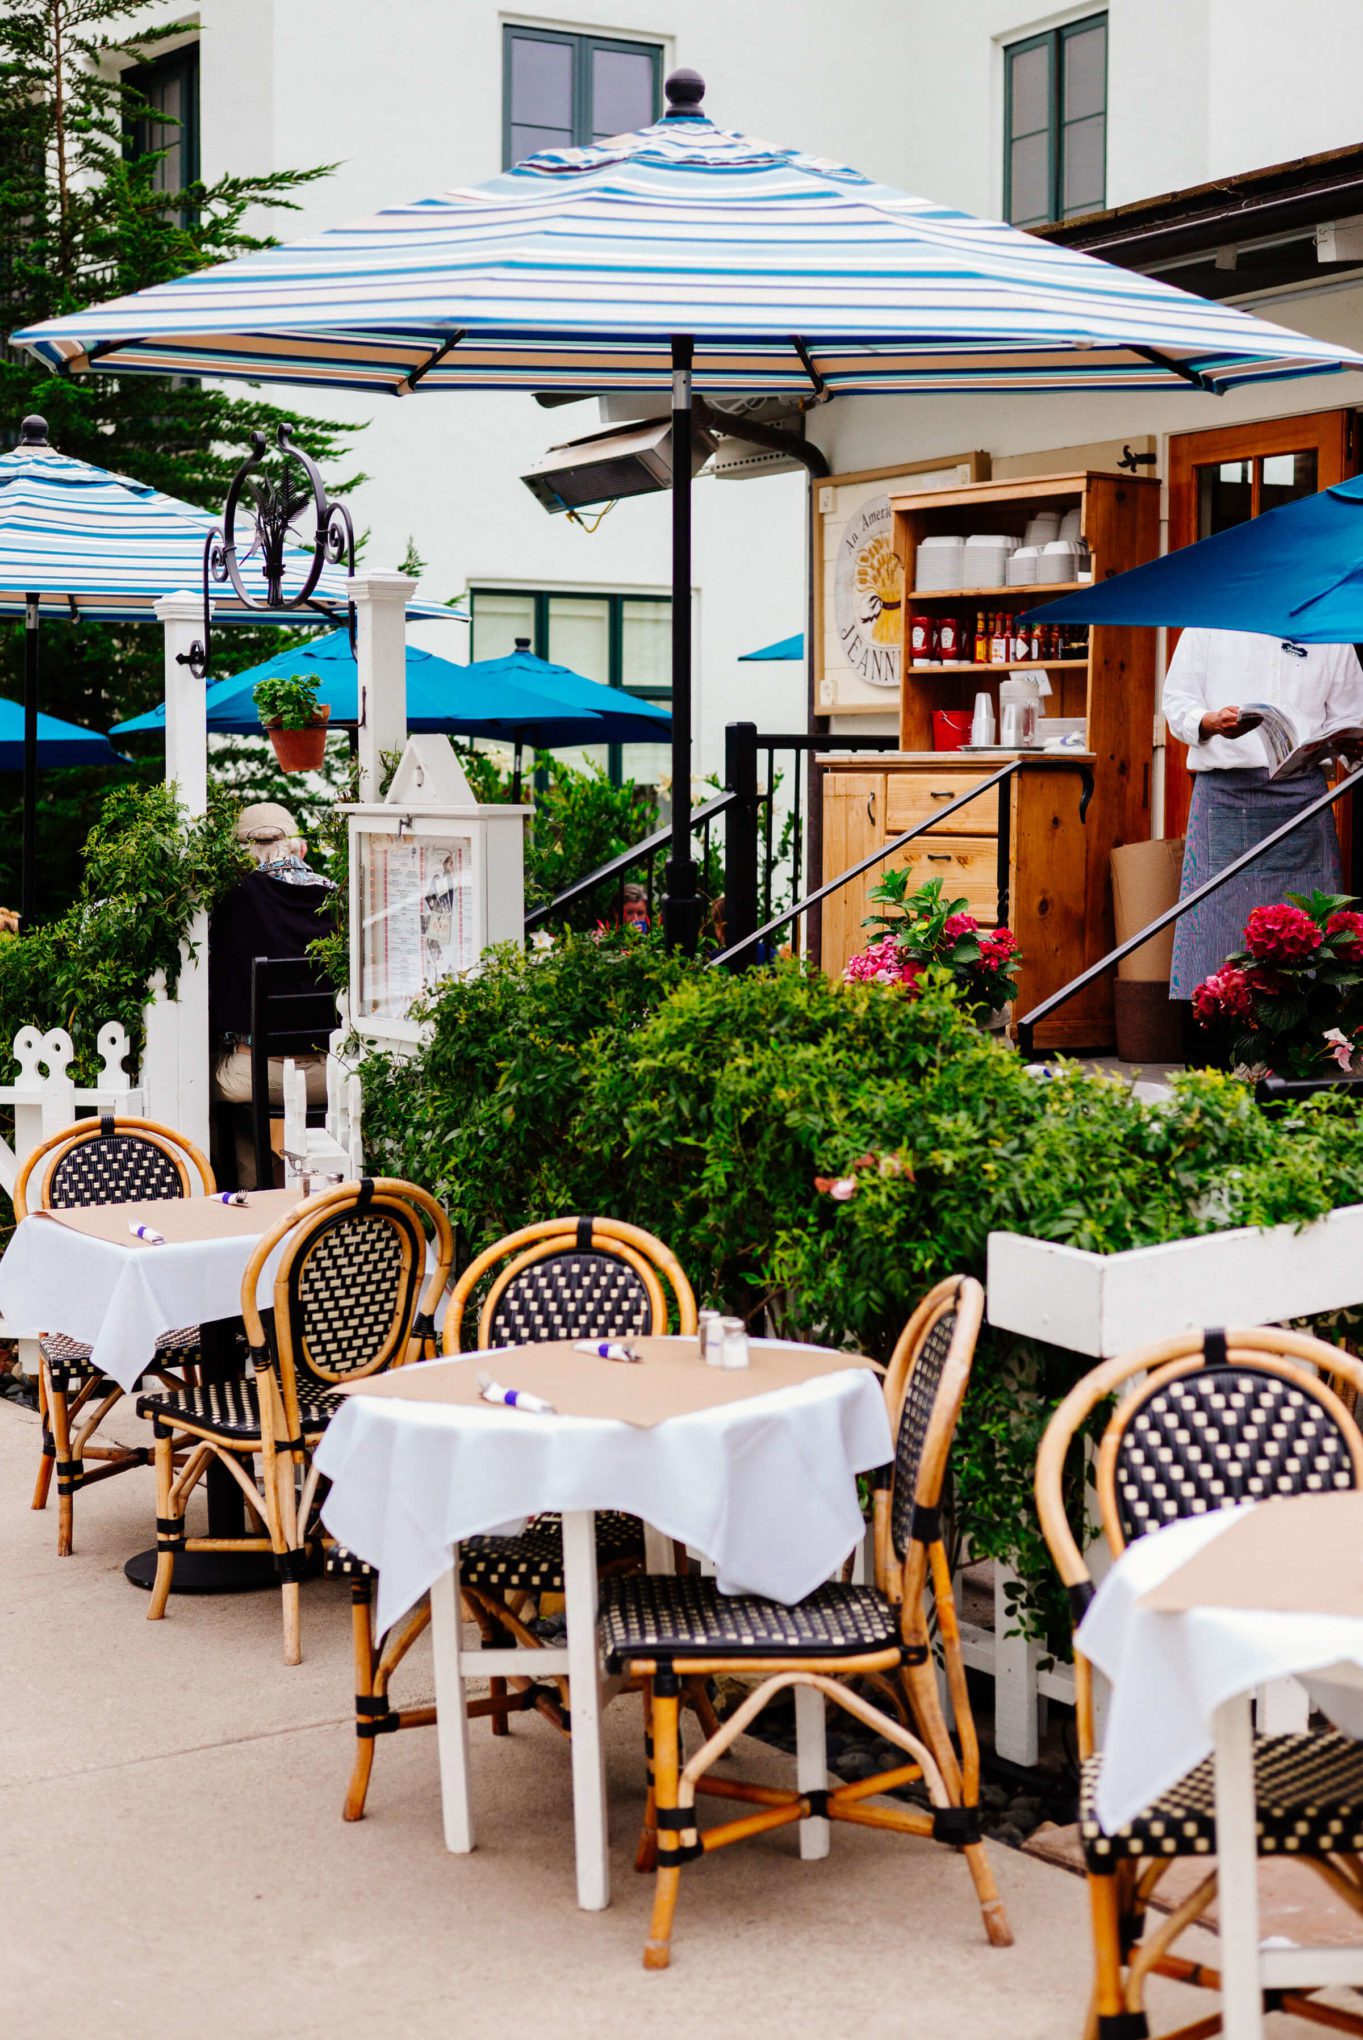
(1170, 1672)
(765, 1488)
(118, 1300)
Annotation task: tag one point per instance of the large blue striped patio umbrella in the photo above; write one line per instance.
(681, 256)
(79, 542)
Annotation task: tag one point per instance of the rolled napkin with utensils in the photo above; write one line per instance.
(514, 1398)
(605, 1349)
(228, 1197)
(148, 1233)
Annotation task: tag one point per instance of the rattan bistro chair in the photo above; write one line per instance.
(1210, 1420)
(347, 1303)
(106, 1160)
(665, 1630)
(562, 1278)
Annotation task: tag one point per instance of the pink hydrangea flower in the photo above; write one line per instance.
(1282, 934)
(1225, 995)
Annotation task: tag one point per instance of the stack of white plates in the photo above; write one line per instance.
(986, 559)
(1022, 566)
(1042, 527)
(1062, 559)
(940, 563)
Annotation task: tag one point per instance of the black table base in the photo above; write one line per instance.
(207, 1572)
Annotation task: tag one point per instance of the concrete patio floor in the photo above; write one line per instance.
(173, 1861)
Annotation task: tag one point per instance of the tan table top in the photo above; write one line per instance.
(1297, 1554)
(670, 1379)
(183, 1220)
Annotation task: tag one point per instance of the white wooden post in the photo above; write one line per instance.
(1016, 1701)
(381, 655)
(182, 616)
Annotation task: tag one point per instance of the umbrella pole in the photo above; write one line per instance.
(28, 883)
(681, 907)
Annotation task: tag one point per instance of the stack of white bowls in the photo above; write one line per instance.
(1022, 566)
(940, 564)
(1071, 524)
(1042, 527)
(1062, 560)
(986, 559)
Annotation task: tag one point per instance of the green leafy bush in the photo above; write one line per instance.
(148, 870)
(829, 1152)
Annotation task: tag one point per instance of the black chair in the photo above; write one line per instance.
(291, 1015)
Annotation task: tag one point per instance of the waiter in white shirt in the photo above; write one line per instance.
(1212, 677)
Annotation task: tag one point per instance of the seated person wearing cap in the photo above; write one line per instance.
(276, 910)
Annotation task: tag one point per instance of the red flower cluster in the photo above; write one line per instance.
(1349, 926)
(997, 948)
(957, 925)
(1281, 934)
(1225, 995)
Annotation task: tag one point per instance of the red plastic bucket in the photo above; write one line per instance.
(950, 728)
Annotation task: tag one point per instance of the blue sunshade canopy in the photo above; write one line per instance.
(628, 718)
(59, 743)
(784, 648)
(1295, 572)
(458, 700)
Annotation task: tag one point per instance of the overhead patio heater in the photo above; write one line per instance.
(635, 460)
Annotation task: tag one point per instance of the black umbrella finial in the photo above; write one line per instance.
(522, 644)
(33, 431)
(685, 91)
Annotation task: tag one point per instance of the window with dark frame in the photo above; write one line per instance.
(1055, 123)
(167, 119)
(623, 641)
(562, 91)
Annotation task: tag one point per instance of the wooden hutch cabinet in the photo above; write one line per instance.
(1056, 868)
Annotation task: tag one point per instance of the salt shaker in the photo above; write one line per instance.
(735, 1342)
(711, 1335)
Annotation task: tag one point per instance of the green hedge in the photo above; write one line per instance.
(607, 1076)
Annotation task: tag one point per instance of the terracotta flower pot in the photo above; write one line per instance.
(301, 750)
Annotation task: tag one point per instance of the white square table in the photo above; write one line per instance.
(765, 1487)
(1183, 1686)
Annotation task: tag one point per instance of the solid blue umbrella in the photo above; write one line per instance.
(1295, 572)
(459, 700)
(59, 743)
(628, 718)
(784, 648)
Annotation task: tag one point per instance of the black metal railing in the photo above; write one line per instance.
(1027, 1025)
(761, 859)
(746, 950)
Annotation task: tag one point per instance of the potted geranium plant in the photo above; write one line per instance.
(1290, 1002)
(296, 720)
(924, 930)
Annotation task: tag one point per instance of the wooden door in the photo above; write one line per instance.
(853, 826)
(1217, 479)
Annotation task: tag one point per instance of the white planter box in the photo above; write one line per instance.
(1103, 1304)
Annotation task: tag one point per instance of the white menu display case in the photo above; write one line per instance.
(436, 878)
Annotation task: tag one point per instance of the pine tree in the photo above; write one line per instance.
(82, 219)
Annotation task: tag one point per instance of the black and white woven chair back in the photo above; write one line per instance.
(1221, 1434)
(575, 1294)
(113, 1168)
(353, 1288)
(915, 1419)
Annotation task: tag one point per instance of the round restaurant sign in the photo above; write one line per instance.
(868, 594)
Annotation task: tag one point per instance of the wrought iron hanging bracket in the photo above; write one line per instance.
(273, 502)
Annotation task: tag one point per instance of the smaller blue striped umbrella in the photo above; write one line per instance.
(459, 700)
(59, 743)
(784, 648)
